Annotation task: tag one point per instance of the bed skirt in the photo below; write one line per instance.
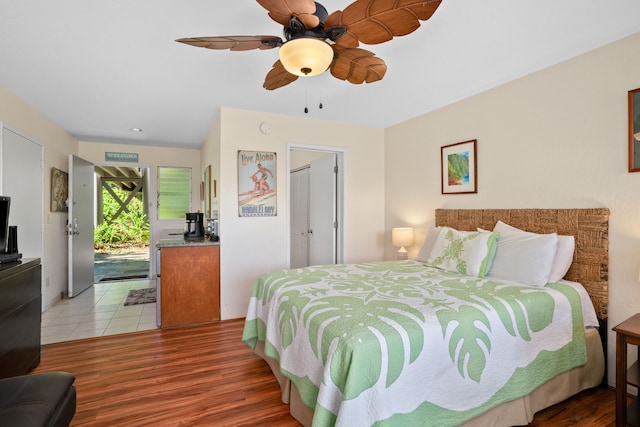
(514, 413)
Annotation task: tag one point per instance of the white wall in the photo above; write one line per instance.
(554, 139)
(251, 246)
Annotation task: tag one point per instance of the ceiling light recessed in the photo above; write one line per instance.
(136, 129)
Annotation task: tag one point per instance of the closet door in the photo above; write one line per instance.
(322, 211)
(22, 178)
(299, 217)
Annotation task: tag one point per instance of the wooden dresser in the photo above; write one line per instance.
(20, 316)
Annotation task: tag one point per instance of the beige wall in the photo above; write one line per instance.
(57, 143)
(251, 246)
(556, 138)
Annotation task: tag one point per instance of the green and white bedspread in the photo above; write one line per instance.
(397, 343)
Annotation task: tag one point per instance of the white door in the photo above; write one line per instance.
(299, 180)
(322, 210)
(80, 226)
(22, 181)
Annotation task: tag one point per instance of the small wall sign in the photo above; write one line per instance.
(121, 157)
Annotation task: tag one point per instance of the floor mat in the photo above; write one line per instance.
(141, 296)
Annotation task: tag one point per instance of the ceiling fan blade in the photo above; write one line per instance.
(348, 39)
(357, 65)
(234, 42)
(278, 77)
(282, 10)
(378, 21)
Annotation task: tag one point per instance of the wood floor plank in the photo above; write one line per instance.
(206, 376)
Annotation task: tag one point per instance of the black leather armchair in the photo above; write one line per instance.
(38, 400)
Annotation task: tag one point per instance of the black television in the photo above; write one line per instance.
(5, 203)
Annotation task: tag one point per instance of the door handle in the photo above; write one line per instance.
(73, 230)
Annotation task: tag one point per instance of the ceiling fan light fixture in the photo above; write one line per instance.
(306, 56)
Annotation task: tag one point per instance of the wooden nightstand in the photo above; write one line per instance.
(627, 332)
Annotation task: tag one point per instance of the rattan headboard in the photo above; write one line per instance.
(589, 226)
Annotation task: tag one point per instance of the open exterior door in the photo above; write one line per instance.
(80, 225)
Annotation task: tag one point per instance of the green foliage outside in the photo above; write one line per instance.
(128, 231)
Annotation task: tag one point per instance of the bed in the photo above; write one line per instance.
(403, 343)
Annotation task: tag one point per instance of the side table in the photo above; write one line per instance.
(627, 332)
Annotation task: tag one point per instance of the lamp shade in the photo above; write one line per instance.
(306, 56)
(402, 236)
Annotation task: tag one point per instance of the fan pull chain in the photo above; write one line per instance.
(306, 103)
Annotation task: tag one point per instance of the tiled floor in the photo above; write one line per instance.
(98, 311)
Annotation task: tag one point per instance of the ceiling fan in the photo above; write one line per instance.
(316, 41)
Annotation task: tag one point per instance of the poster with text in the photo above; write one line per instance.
(256, 183)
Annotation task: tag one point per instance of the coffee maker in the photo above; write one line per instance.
(194, 227)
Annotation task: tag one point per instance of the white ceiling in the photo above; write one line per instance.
(100, 68)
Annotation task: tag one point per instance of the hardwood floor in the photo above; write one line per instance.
(206, 376)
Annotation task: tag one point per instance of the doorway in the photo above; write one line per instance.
(316, 188)
(121, 238)
(119, 304)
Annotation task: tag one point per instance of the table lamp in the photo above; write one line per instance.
(402, 236)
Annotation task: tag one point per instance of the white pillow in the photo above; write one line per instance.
(564, 258)
(564, 252)
(428, 243)
(466, 252)
(523, 257)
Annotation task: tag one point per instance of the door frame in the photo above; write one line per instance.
(340, 194)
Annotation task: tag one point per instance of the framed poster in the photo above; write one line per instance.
(257, 185)
(59, 190)
(458, 168)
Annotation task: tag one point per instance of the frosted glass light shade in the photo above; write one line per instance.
(306, 56)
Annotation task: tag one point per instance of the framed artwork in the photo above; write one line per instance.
(257, 184)
(459, 168)
(634, 130)
(59, 190)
